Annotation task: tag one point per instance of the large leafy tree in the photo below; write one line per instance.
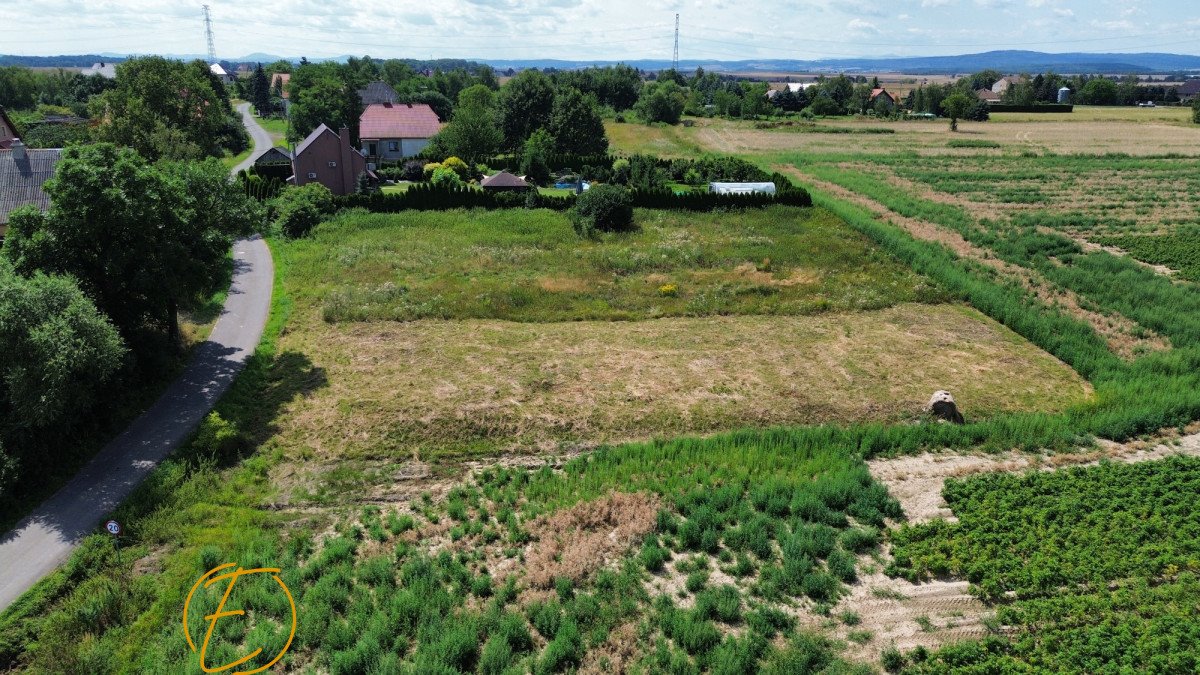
(526, 104)
(143, 241)
(321, 93)
(956, 106)
(167, 109)
(473, 133)
(56, 353)
(576, 125)
(662, 101)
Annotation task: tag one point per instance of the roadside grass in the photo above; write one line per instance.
(531, 266)
(231, 160)
(275, 126)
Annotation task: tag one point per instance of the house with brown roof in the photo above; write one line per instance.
(8, 130)
(987, 96)
(328, 158)
(504, 181)
(393, 131)
(23, 172)
(880, 92)
(1189, 90)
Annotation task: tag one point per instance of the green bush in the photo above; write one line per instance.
(445, 177)
(1196, 111)
(299, 210)
(607, 208)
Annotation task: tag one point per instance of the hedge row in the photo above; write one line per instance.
(424, 197)
(1039, 108)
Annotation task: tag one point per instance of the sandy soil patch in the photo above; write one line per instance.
(917, 481)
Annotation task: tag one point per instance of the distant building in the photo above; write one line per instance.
(1189, 90)
(504, 181)
(378, 92)
(390, 131)
(8, 130)
(107, 70)
(987, 96)
(328, 158)
(881, 93)
(23, 172)
(220, 72)
(1001, 85)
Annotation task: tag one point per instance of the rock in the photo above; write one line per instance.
(941, 405)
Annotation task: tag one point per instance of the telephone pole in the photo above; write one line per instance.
(675, 57)
(212, 49)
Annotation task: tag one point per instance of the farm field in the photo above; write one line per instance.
(478, 443)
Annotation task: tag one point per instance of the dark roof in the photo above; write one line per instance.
(504, 179)
(275, 154)
(21, 180)
(400, 120)
(1190, 88)
(378, 92)
(987, 95)
(303, 145)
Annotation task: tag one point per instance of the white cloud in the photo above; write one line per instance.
(1064, 12)
(859, 26)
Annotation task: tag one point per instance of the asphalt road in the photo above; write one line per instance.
(262, 140)
(45, 538)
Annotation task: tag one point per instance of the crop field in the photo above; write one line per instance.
(475, 442)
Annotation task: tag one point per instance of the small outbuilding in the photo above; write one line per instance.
(274, 162)
(741, 188)
(505, 182)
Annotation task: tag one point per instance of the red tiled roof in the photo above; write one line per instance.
(398, 120)
(881, 90)
(987, 95)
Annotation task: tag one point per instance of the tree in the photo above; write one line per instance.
(576, 126)
(18, 87)
(1196, 110)
(56, 354)
(1098, 91)
(956, 106)
(260, 92)
(661, 101)
(472, 133)
(166, 109)
(143, 241)
(526, 104)
(607, 208)
(320, 93)
(534, 157)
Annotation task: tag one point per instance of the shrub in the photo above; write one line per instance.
(841, 565)
(413, 170)
(299, 210)
(445, 177)
(458, 166)
(1196, 110)
(608, 208)
(723, 603)
(653, 556)
(668, 291)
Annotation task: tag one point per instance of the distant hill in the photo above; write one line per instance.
(1006, 61)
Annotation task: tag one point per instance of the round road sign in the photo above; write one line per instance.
(113, 527)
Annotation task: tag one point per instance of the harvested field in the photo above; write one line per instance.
(440, 387)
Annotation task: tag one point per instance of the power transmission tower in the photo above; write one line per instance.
(675, 57)
(212, 49)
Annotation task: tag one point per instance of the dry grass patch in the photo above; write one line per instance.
(433, 387)
(577, 541)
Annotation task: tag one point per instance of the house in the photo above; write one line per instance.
(221, 73)
(8, 130)
(328, 158)
(504, 181)
(392, 131)
(1189, 90)
(881, 93)
(105, 70)
(274, 162)
(987, 96)
(378, 92)
(1001, 85)
(23, 172)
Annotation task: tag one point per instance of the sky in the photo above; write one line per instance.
(608, 30)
